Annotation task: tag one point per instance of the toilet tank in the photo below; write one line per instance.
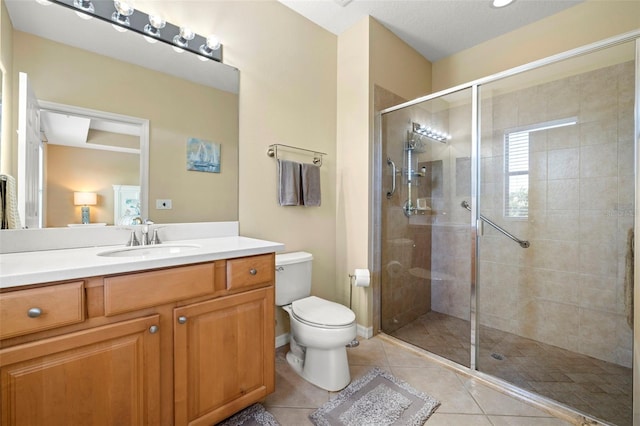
(293, 276)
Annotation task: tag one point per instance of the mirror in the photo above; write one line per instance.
(191, 107)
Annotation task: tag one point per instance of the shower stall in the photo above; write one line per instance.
(506, 215)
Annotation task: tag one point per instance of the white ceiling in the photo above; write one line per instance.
(435, 28)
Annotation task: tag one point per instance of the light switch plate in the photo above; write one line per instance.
(163, 205)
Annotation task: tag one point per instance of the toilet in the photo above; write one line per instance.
(319, 329)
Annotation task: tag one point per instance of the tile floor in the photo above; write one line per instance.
(464, 400)
(600, 388)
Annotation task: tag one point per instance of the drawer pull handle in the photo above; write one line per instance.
(182, 320)
(34, 312)
(253, 271)
(154, 329)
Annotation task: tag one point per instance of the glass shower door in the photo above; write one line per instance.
(426, 236)
(557, 170)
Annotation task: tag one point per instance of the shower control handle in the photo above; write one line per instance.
(393, 178)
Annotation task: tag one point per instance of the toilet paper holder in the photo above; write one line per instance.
(359, 278)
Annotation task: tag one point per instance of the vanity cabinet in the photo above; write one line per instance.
(223, 356)
(97, 376)
(189, 344)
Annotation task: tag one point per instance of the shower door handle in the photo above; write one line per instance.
(393, 178)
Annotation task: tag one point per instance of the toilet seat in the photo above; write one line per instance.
(318, 312)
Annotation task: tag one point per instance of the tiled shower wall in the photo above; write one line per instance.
(567, 289)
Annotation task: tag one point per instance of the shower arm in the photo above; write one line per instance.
(523, 243)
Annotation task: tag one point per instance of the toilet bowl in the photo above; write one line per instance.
(319, 329)
(318, 351)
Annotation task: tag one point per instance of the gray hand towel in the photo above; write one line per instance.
(288, 183)
(311, 185)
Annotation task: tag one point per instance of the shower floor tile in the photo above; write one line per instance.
(598, 388)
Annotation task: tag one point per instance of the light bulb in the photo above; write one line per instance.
(156, 23)
(43, 2)
(212, 43)
(121, 15)
(182, 39)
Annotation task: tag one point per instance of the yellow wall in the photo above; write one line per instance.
(176, 110)
(366, 49)
(6, 67)
(353, 164)
(576, 26)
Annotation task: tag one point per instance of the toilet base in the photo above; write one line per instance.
(327, 369)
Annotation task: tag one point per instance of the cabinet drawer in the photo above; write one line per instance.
(250, 271)
(135, 291)
(28, 311)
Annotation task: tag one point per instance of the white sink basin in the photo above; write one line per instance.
(150, 251)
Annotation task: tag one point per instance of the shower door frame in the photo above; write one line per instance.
(375, 231)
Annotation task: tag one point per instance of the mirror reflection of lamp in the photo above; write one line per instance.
(85, 199)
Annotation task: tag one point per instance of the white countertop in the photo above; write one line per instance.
(34, 267)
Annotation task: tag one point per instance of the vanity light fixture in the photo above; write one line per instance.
(122, 15)
(44, 2)
(156, 23)
(431, 133)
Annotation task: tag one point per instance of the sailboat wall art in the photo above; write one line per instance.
(203, 156)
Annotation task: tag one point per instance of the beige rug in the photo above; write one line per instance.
(254, 415)
(379, 399)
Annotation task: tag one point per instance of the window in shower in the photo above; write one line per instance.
(516, 147)
(516, 154)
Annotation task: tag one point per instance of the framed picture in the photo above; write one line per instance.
(203, 156)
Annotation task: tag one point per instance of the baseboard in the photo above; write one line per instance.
(366, 332)
(361, 330)
(282, 340)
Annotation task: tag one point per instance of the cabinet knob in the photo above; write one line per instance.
(154, 329)
(253, 271)
(34, 312)
(182, 320)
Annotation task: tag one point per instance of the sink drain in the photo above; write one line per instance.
(497, 356)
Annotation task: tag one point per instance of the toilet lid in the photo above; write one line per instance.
(322, 312)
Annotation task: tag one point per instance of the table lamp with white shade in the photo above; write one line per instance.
(85, 199)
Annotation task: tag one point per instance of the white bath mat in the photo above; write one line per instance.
(379, 399)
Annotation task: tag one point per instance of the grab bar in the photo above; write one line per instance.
(393, 177)
(522, 243)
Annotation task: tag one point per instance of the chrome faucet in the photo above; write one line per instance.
(144, 233)
(155, 239)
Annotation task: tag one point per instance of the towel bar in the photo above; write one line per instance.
(272, 151)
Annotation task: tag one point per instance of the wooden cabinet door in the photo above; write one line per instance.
(224, 353)
(108, 375)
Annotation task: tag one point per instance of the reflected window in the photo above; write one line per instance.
(516, 165)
